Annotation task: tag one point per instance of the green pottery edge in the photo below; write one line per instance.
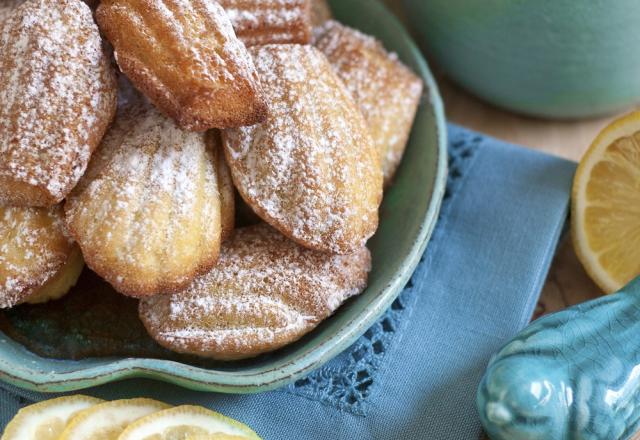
(422, 175)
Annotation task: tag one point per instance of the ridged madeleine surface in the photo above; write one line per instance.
(310, 170)
(265, 292)
(57, 98)
(147, 213)
(37, 257)
(185, 57)
(259, 22)
(387, 92)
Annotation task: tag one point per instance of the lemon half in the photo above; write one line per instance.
(606, 205)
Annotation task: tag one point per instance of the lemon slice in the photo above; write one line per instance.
(46, 420)
(606, 205)
(187, 422)
(107, 420)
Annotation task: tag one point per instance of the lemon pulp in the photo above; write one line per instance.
(606, 205)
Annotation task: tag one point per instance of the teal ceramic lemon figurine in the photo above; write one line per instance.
(574, 374)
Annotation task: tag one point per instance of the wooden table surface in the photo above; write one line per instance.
(567, 283)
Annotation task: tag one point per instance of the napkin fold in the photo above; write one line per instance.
(414, 374)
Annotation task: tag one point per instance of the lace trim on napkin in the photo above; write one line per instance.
(347, 382)
(348, 385)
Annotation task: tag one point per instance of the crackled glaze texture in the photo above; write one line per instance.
(570, 375)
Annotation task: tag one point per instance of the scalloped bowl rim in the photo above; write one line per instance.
(269, 377)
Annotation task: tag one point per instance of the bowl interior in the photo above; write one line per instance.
(408, 214)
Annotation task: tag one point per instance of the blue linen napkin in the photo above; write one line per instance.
(414, 374)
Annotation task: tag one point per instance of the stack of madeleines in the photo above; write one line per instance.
(126, 127)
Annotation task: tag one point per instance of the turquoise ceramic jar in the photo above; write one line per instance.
(550, 58)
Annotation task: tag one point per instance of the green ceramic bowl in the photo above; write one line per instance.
(550, 58)
(408, 215)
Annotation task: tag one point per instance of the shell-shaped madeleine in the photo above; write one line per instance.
(310, 170)
(184, 56)
(225, 185)
(258, 22)
(387, 92)
(37, 257)
(57, 95)
(147, 213)
(265, 292)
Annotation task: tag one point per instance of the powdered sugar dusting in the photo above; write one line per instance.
(57, 92)
(310, 169)
(259, 22)
(147, 213)
(6, 6)
(387, 92)
(184, 55)
(33, 248)
(265, 292)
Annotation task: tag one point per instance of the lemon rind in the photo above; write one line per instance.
(138, 430)
(14, 429)
(76, 424)
(623, 127)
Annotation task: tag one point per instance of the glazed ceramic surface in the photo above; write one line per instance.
(551, 58)
(408, 215)
(568, 376)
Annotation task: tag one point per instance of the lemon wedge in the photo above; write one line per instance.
(107, 420)
(187, 423)
(605, 208)
(46, 420)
